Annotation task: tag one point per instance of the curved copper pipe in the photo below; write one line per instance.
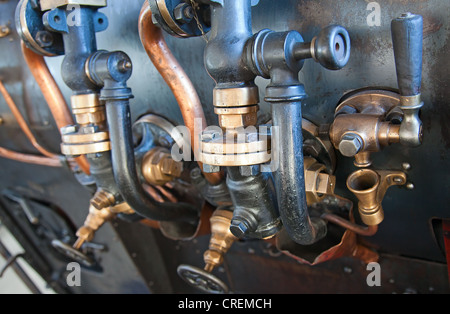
(23, 124)
(30, 159)
(184, 91)
(361, 230)
(52, 95)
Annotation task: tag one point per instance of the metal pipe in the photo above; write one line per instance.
(23, 124)
(53, 96)
(30, 159)
(178, 81)
(125, 173)
(290, 177)
(366, 231)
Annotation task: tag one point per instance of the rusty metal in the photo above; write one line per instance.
(178, 81)
(348, 246)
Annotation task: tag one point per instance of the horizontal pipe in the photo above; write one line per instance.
(182, 88)
(30, 159)
(366, 231)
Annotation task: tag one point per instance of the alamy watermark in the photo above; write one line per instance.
(73, 278)
(374, 17)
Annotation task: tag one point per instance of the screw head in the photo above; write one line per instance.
(44, 39)
(350, 145)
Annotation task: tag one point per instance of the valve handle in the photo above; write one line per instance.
(407, 39)
(332, 47)
(202, 280)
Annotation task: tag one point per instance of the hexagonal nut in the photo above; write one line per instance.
(247, 171)
(213, 257)
(237, 121)
(350, 145)
(44, 39)
(239, 228)
(171, 167)
(210, 168)
(86, 234)
(70, 129)
(183, 13)
(326, 184)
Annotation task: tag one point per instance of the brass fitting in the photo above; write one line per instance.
(236, 107)
(95, 219)
(102, 199)
(318, 183)
(158, 167)
(88, 136)
(362, 125)
(221, 239)
(370, 187)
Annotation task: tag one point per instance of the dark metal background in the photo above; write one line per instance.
(406, 234)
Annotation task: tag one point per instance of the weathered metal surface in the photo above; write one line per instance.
(406, 230)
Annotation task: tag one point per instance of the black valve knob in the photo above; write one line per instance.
(332, 47)
(407, 38)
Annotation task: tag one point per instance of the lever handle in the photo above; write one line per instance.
(407, 38)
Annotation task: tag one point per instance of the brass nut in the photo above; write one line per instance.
(158, 167)
(102, 199)
(212, 257)
(236, 97)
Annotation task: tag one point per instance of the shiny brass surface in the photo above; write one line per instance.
(52, 4)
(87, 109)
(158, 167)
(221, 239)
(361, 126)
(233, 118)
(102, 199)
(318, 183)
(236, 97)
(370, 187)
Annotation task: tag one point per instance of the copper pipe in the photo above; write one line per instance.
(184, 91)
(31, 159)
(52, 95)
(361, 230)
(23, 124)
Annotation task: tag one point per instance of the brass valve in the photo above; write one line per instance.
(221, 239)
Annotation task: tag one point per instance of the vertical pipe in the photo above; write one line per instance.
(290, 176)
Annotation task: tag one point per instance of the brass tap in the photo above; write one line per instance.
(221, 239)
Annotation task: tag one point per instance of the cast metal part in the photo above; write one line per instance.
(365, 122)
(220, 242)
(29, 25)
(221, 239)
(52, 4)
(201, 279)
(370, 187)
(88, 136)
(318, 183)
(180, 18)
(158, 167)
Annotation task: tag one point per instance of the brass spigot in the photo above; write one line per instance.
(221, 239)
(370, 187)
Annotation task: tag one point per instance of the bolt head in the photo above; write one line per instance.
(70, 129)
(350, 145)
(210, 168)
(247, 171)
(239, 228)
(183, 13)
(44, 39)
